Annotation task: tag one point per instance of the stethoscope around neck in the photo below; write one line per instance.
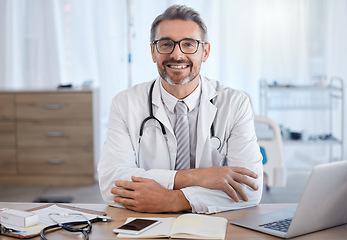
(214, 140)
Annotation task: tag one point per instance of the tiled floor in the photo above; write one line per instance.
(90, 194)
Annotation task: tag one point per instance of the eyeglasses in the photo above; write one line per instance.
(167, 46)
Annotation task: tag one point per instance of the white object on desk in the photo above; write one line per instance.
(18, 218)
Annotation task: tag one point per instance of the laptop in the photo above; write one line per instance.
(322, 205)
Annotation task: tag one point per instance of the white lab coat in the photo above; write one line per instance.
(232, 116)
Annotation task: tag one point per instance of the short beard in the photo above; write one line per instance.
(170, 82)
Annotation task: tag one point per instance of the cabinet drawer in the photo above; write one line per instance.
(57, 161)
(6, 106)
(52, 106)
(7, 134)
(8, 164)
(72, 134)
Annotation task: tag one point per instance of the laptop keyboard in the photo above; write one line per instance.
(281, 225)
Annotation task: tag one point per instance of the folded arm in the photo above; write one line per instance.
(226, 178)
(207, 190)
(217, 184)
(210, 197)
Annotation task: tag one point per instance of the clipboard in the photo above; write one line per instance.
(17, 234)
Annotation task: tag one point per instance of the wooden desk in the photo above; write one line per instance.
(103, 231)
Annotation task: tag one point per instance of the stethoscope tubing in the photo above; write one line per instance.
(151, 116)
(69, 226)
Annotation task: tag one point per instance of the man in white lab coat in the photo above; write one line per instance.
(141, 163)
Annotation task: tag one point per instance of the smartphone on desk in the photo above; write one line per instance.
(137, 226)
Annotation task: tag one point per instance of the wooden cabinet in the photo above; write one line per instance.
(46, 137)
(8, 161)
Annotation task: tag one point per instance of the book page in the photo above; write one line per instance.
(159, 231)
(199, 226)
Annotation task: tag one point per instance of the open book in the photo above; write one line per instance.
(189, 226)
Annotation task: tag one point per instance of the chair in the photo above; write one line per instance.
(271, 147)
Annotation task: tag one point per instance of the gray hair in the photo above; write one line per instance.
(180, 12)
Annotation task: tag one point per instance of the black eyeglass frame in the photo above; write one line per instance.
(178, 43)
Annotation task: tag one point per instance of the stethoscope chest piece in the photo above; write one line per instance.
(215, 142)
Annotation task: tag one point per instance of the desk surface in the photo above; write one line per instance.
(104, 230)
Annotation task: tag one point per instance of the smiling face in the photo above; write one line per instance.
(178, 68)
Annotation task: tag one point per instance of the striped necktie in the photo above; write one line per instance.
(182, 137)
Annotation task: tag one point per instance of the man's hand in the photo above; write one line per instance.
(226, 178)
(146, 195)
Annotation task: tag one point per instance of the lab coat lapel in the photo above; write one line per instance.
(207, 113)
(160, 113)
(159, 109)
